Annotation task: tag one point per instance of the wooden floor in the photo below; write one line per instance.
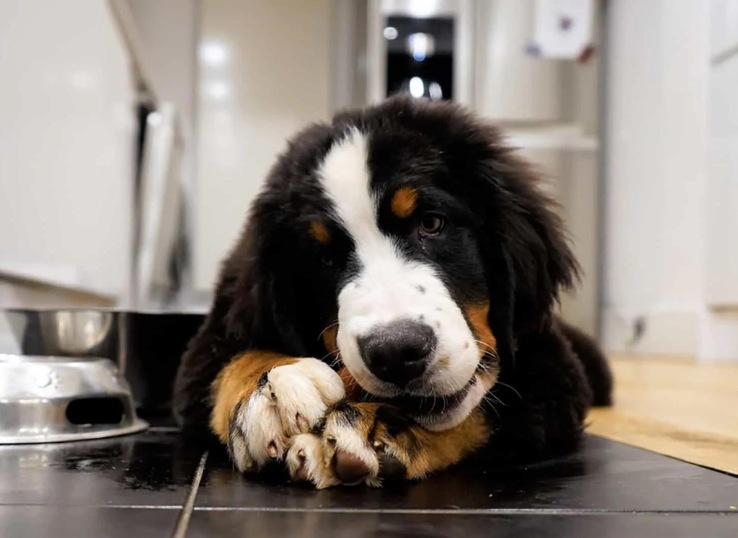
(675, 407)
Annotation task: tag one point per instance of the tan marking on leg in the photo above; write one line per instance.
(368, 414)
(419, 450)
(404, 202)
(237, 382)
(320, 232)
(422, 451)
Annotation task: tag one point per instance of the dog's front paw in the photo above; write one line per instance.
(289, 400)
(352, 446)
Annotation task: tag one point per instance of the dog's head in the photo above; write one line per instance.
(407, 242)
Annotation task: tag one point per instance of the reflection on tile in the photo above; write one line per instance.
(151, 468)
(604, 475)
(77, 522)
(352, 525)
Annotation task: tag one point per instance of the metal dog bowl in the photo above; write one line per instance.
(145, 346)
(54, 399)
(66, 333)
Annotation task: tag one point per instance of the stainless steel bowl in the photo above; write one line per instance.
(54, 399)
(145, 346)
(67, 332)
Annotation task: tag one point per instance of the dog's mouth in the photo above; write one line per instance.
(431, 404)
(442, 412)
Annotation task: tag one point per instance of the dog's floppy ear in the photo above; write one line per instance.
(270, 291)
(259, 291)
(261, 315)
(502, 286)
(526, 251)
(243, 316)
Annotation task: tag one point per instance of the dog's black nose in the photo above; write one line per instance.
(398, 352)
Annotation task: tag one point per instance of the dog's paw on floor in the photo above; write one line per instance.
(289, 400)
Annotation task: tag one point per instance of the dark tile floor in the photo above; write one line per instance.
(142, 485)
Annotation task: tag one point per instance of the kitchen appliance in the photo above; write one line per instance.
(422, 48)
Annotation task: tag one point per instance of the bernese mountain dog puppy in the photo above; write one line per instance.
(388, 310)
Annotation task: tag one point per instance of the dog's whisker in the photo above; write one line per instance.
(497, 398)
(491, 405)
(324, 330)
(353, 383)
(336, 360)
(487, 349)
(485, 367)
(511, 388)
(490, 396)
(485, 344)
(433, 395)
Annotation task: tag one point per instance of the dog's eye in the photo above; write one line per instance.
(431, 224)
(326, 260)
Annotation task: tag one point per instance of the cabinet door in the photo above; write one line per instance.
(67, 135)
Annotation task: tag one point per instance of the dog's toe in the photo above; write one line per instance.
(306, 462)
(349, 468)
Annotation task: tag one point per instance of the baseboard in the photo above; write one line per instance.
(668, 332)
(719, 337)
(702, 334)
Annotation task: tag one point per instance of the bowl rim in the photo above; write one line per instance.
(103, 310)
(18, 358)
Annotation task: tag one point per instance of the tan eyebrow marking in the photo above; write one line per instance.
(320, 232)
(404, 201)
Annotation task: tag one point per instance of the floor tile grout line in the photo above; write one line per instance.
(100, 506)
(183, 519)
(469, 511)
(398, 511)
(390, 511)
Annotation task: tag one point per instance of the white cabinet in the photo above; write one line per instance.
(67, 137)
(723, 26)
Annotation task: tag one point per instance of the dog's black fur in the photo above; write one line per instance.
(276, 292)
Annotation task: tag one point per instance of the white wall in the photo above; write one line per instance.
(66, 142)
(656, 139)
(276, 78)
(541, 95)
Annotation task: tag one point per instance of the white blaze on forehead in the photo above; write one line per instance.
(389, 287)
(347, 181)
